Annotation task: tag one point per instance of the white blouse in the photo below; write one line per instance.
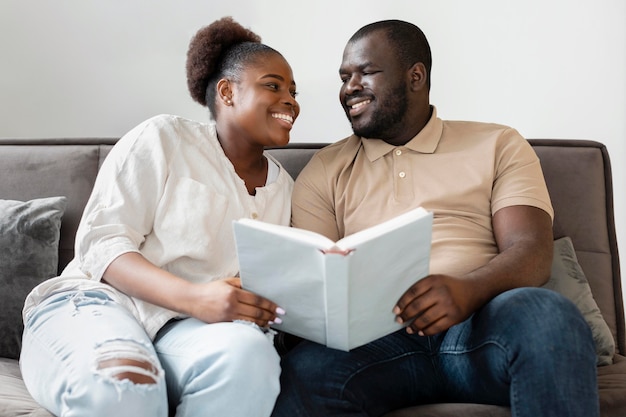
(167, 191)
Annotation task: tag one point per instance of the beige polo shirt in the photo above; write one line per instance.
(461, 171)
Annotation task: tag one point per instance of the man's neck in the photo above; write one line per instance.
(408, 131)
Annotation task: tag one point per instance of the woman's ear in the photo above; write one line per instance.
(224, 92)
(418, 76)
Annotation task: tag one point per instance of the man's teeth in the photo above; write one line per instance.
(282, 117)
(360, 104)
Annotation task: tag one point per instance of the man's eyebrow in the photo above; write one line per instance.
(359, 67)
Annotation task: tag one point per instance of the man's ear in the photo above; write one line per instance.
(224, 91)
(419, 77)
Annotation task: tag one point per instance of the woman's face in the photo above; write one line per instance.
(263, 102)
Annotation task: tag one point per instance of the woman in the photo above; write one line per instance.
(151, 308)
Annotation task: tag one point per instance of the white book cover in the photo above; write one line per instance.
(340, 294)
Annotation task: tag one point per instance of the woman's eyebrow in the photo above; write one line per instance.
(278, 77)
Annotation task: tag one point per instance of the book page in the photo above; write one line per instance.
(288, 272)
(348, 242)
(337, 297)
(381, 271)
(292, 233)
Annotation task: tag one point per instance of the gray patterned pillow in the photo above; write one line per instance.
(29, 253)
(568, 279)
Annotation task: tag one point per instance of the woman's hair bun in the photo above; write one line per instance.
(206, 50)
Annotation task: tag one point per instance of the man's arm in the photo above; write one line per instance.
(524, 238)
(311, 202)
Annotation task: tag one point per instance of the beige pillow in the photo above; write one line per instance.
(568, 279)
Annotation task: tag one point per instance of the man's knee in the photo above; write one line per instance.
(530, 303)
(538, 314)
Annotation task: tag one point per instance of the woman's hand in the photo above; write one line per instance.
(225, 300)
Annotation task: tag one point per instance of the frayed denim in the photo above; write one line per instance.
(202, 368)
(528, 348)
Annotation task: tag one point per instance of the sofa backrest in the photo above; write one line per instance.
(579, 179)
(578, 175)
(36, 168)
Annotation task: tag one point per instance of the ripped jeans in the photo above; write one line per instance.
(73, 342)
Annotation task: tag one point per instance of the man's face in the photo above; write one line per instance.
(373, 87)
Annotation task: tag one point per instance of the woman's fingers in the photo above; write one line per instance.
(258, 309)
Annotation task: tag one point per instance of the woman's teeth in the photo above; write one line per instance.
(281, 116)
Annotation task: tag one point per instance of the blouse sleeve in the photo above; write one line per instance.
(121, 209)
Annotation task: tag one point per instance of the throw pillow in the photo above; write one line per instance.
(568, 279)
(29, 252)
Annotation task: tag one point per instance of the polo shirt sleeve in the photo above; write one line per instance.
(312, 206)
(518, 177)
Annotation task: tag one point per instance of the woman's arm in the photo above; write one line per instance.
(216, 301)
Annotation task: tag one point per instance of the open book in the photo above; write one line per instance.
(340, 294)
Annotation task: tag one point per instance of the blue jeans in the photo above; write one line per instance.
(528, 348)
(204, 369)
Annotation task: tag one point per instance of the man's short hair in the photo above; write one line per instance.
(407, 40)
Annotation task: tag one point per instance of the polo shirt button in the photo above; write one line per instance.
(402, 174)
(254, 215)
(398, 152)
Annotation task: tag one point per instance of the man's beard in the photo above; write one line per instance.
(385, 123)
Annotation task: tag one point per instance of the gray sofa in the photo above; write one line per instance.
(577, 172)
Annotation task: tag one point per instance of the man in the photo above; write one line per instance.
(478, 330)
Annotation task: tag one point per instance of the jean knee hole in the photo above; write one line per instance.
(127, 360)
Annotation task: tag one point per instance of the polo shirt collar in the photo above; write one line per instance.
(425, 141)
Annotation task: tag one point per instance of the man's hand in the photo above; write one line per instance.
(434, 304)
(524, 238)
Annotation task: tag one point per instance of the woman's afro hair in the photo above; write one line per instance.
(206, 51)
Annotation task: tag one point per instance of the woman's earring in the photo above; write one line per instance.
(229, 101)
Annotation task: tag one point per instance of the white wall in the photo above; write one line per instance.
(552, 69)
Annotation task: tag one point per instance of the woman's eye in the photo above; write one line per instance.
(273, 86)
(294, 94)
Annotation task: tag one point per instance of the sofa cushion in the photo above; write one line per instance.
(15, 401)
(29, 244)
(568, 279)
